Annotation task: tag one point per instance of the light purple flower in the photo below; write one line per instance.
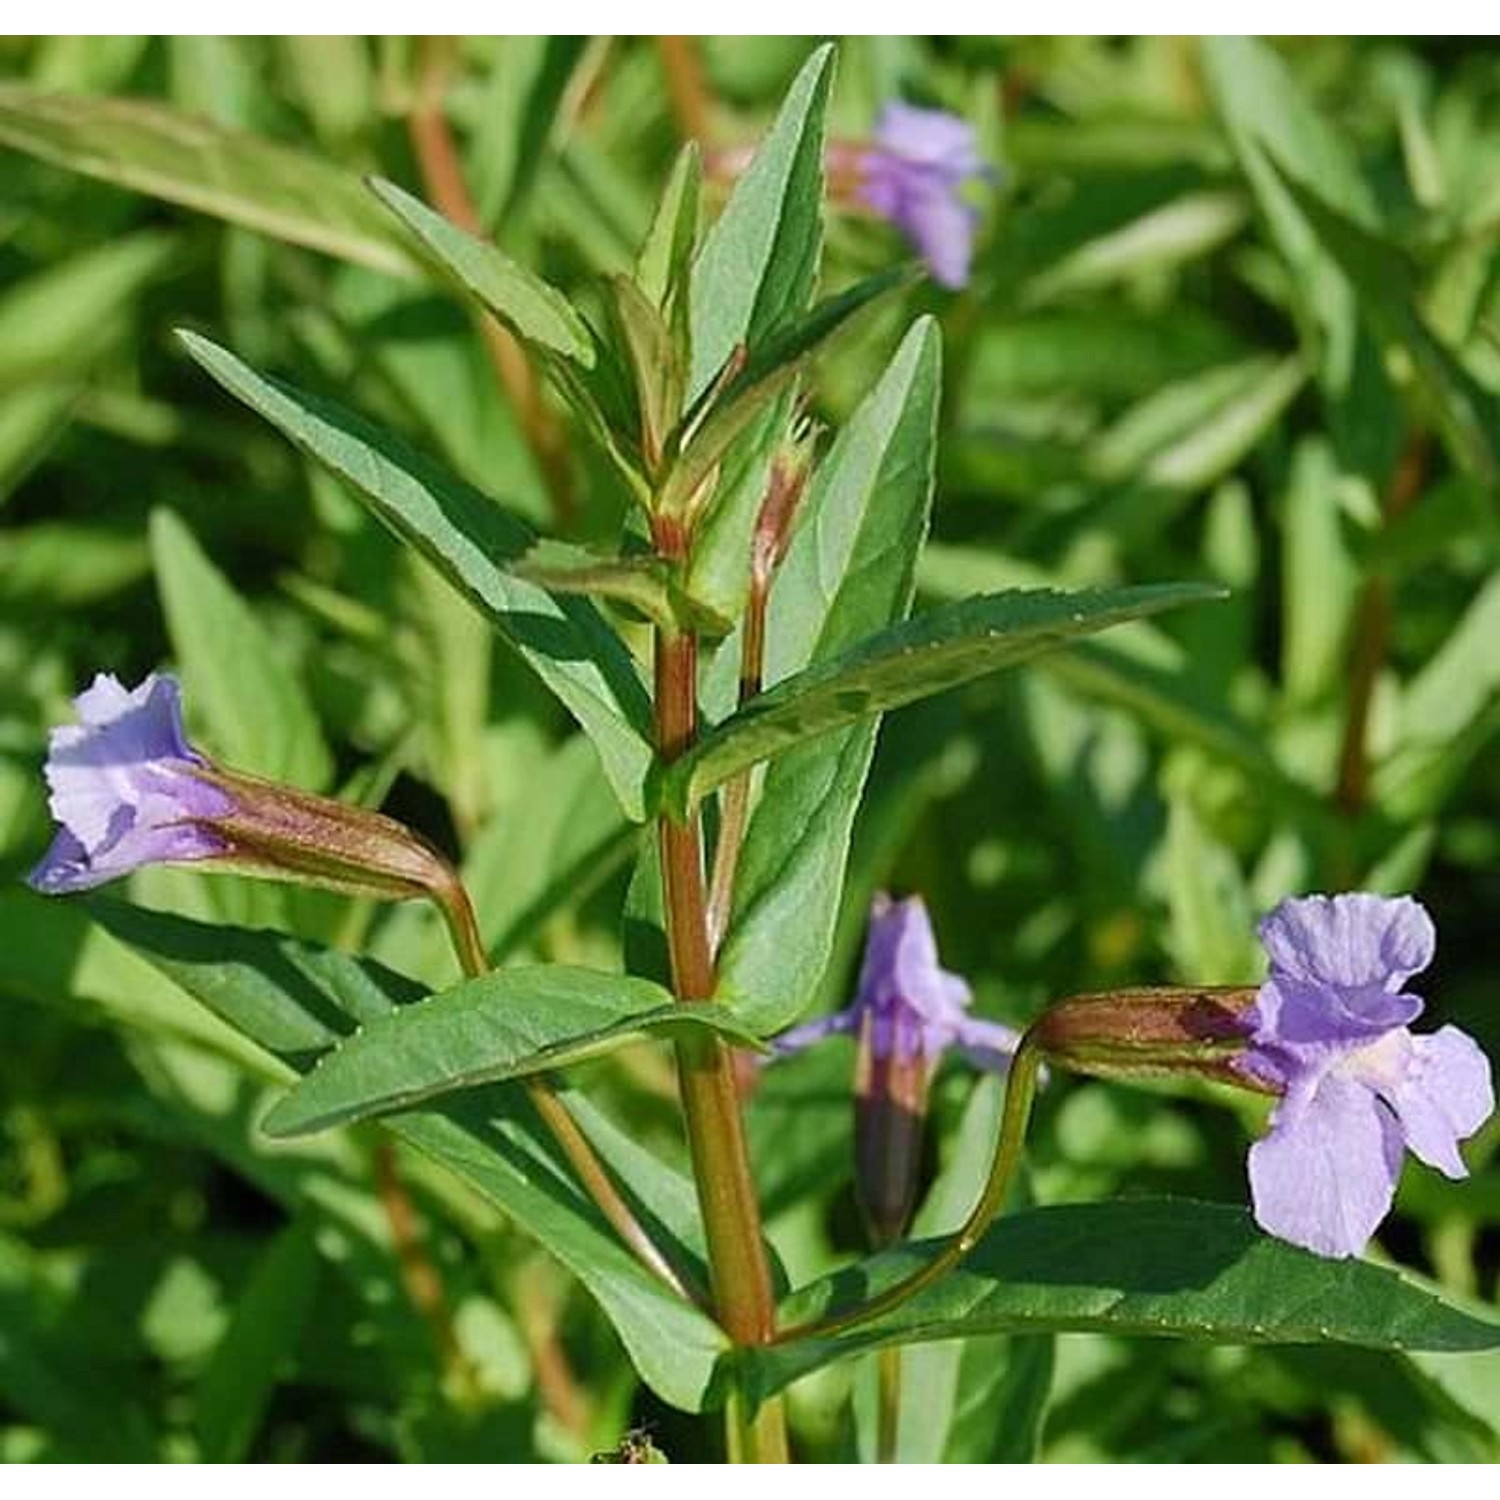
(911, 1007)
(1329, 1032)
(128, 790)
(125, 788)
(915, 175)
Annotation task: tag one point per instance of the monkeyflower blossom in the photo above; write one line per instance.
(1329, 1033)
(907, 1003)
(907, 1012)
(914, 174)
(127, 790)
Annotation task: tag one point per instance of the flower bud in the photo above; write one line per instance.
(1151, 1032)
(890, 1108)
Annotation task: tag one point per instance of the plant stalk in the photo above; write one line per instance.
(888, 1412)
(738, 1266)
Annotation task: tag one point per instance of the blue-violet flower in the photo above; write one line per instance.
(907, 1012)
(915, 174)
(910, 1006)
(1328, 1031)
(127, 790)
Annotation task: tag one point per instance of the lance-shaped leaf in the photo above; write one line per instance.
(537, 312)
(470, 538)
(1386, 283)
(759, 261)
(241, 178)
(663, 265)
(847, 574)
(510, 1024)
(927, 655)
(1169, 1269)
(297, 1000)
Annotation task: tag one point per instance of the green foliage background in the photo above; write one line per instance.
(1171, 363)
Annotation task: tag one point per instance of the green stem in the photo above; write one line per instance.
(739, 1270)
(463, 928)
(1020, 1092)
(888, 1413)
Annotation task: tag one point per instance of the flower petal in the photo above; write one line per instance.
(931, 137)
(1350, 942)
(120, 753)
(987, 1044)
(1325, 1175)
(799, 1038)
(1441, 1090)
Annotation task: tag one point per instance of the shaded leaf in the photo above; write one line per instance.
(490, 1139)
(1168, 1269)
(258, 715)
(256, 183)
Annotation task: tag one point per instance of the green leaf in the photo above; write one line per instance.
(506, 1025)
(767, 373)
(152, 149)
(930, 654)
(656, 367)
(1275, 130)
(648, 584)
(759, 261)
(1269, 120)
(1319, 578)
(662, 266)
(1385, 282)
(257, 714)
(1168, 1269)
(469, 537)
(537, 312)
(269, 1317)
(1192, 432)
(490, 1139)
(1181, 229)
(848, 573)
(57, 320)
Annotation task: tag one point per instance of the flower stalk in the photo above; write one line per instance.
(463, 929)
(1020, 1094)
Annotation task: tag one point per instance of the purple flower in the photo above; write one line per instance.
(910, 1007)
(915, 174)
(1329, 1033)
(907, 1012)
(126, 788)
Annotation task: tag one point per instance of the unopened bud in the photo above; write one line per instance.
(790, 470)
(890, 1111)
